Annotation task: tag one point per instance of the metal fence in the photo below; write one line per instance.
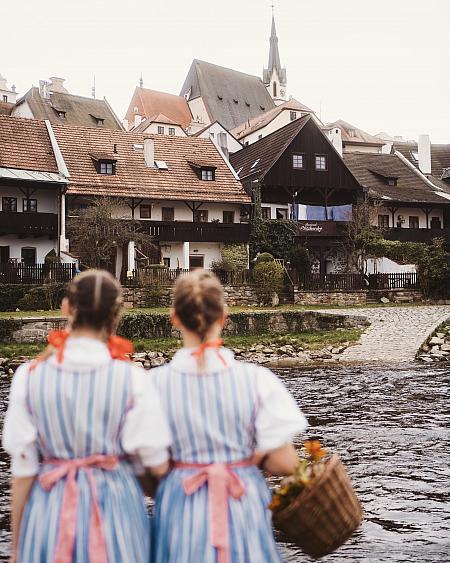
(36, 273)
(357, 282)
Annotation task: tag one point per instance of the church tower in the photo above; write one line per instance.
(274, 77)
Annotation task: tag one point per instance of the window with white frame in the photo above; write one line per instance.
(171, 131)
(298, 161)
(266, 213)
(321, 161)
(383, 221)
(293, 115)
(207, 174)
(160, 130)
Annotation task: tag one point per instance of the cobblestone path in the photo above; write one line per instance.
(395, 333)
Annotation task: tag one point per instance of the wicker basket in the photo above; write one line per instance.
(324, 515)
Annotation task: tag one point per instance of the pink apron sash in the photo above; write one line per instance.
(222, 483)
(68, 516)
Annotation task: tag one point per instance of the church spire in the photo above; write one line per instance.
(274, 77)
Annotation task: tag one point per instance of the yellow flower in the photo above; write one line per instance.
(314, 450)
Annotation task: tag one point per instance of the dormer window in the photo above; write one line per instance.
(100, 121)
(105, 167)
(61, 113)
(293, 115)
(351, 133)
(207, 174)
(204, 171)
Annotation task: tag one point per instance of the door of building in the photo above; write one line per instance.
(28, 256)
(196, 262)
(4, 254)
(435, 223)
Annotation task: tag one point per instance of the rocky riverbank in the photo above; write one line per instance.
(437, 347)
(282, 356)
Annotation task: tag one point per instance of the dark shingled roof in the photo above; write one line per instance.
(133, 178)
(266, 151)
(79, 110)
(230, 96)
(25, 144)
(374, 170)
(440, 156)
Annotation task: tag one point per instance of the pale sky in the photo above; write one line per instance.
(382, 65)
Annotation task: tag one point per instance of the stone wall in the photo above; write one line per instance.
(148, 325)
(162, 296)
(344, 298)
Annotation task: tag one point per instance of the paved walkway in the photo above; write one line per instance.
(395, 333)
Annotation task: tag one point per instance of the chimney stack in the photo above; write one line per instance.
(149, 152)
(137, 120)
(57, 85)
(43, 89)
(424, 154)
(335, 136)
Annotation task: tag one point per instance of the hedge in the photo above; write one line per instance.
(31, 297)
(10, 295)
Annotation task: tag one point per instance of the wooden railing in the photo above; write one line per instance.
(417, 235)
(31, 224)
(187, 231)
(36, 273)
(165, 276)
(357, 282)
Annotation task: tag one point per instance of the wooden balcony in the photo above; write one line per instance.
(28, 224)
(313, 229)
(417, 235)
(186, 231)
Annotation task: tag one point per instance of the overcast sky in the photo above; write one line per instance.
(382, 65)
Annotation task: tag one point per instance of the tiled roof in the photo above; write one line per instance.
(6, 108)
(25, 144)
(373, 171)
(151, 103)
(358, 136)
(79, 110)
(133, 178)
(440, 156)
(256, 159)
(264, 119)
(230, 96)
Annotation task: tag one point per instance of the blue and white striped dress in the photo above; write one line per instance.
(87, 405)
(222, 415)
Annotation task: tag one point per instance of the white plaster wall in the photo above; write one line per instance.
(361, 148)
(274, 207)
(209, 250)
(22, 110)
(215, 128)
(282, 119)
(43, 246)
(386, 266)
(405, 212)
(9, 94)
(153, 128)
(198, 110)
(47, 200)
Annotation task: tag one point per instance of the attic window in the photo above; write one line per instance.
(293, 115)
(61, 114)
(105, 167)
(138, 147)
(161, 165)
(415, 156)
(351, 133)
(392, 181)
(207, 174)
(255, 163)
(100, 121)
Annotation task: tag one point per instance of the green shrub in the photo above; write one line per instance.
(145, 325)
(7, 327)
(300, 259)
(268, 278)
(10, 295)
(44, 297)
(153, 295)
(157, 267)
(264, 257)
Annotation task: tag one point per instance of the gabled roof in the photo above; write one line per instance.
(264, 119)
(150, 103)
(133, 178)
(78, 110)
(198, 133)
(358, 137)
(372, 170)
(266, 151)
(440, 156)
(25, 144)
(230, 96)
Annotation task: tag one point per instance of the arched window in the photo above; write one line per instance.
(275, 90)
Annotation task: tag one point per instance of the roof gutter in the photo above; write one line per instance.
(62, 168)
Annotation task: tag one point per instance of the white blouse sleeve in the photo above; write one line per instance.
(278, 418)
(19, 432)
(146, 433)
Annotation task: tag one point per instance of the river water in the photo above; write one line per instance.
(391, 427)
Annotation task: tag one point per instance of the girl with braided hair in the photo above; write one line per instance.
(226, 417)
(73, 416)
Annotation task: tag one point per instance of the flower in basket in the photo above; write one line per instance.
(309, 466)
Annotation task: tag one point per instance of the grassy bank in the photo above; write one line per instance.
(313, 340)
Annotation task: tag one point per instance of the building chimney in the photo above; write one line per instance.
(137, 120)
(149, 152)
(125, 124)
(335, 136)
(43, 89)
(425, 154)
(57, 85)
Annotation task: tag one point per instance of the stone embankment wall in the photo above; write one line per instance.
(348, 298)
(152, 325)
(437, 347)
(234, 295)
